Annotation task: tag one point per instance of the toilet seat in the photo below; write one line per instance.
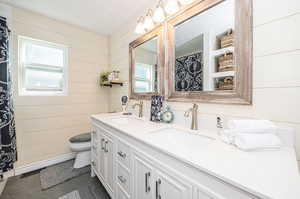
(80, 146)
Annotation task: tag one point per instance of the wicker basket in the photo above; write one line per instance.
(226, 84)
(228, 39)
(226, 63)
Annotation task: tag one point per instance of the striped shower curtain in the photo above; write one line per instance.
(8, 152)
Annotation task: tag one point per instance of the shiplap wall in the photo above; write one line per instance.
(276, 81)
(44, 124)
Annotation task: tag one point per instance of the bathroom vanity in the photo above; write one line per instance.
(138, 159)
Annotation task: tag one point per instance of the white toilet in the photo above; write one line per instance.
(81, 145)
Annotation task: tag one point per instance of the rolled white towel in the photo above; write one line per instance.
(251, 142)
(252, 126)
(228, 136)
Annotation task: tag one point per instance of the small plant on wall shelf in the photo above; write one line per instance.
(104, 78)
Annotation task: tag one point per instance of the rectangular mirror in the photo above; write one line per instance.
(210, 53)
(146, 65)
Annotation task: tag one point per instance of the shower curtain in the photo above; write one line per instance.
(8, 152)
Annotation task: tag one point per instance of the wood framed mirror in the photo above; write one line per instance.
(146, 67)
(209, 48)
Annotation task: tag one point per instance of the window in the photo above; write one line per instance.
(43, 67)
(144, 78)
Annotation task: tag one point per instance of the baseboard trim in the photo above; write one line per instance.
(44, 163)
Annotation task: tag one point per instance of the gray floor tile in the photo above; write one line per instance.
(30, 188)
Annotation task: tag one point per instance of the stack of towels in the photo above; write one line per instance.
(250, 135)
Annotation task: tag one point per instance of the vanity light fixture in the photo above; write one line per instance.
(159, 14)
(171, 7)
(185, 2)
(140, 28)
(148, 23)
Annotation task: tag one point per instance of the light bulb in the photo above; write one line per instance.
(140, 29)
(172, 7)
(148, 23)
(159, 15)
(185, 2)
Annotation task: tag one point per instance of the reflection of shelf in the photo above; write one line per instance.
(223, 74)
(110, 84)
(222, 51)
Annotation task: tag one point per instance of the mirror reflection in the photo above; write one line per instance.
(145, 67)
(204, 50)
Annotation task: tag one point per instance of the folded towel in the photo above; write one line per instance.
(252, 126)
(250, 142)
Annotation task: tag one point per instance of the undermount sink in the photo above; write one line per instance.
(126, 120)
(180, 138)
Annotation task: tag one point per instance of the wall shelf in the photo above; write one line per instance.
(110, 84)
(223, 74)
(222, 51)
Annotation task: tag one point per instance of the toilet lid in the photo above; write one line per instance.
(86, 137)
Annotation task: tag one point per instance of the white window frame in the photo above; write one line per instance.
(23, 91)
(148, 81)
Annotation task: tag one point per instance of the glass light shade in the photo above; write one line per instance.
(185, 2)
(140, 29)
(172, 7)
(148, 23)
(159, 15)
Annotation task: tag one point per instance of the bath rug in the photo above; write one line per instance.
(72, 195)
(60, 173)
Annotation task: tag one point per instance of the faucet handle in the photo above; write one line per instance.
(195, 106)
(187, 113)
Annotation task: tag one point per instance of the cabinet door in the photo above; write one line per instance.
(143, 179)
(168, 187)
(109, 163)
(100, 156)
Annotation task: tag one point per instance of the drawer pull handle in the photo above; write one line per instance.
(157, 183)
(102, 145)
(122, 179)
(105, 147)
(147, 187)
(121, 154)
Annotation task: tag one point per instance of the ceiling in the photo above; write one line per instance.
(101, 16)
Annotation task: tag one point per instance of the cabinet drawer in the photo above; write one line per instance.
(123, 179)
(121, 194)
(123, 154)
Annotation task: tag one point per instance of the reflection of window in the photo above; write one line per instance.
(143, 77)
(43, 67)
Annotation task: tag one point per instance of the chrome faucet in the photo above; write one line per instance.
(194, 112)
(140, 105)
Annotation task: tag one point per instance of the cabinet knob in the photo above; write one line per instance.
(122, 179)
(121, 154)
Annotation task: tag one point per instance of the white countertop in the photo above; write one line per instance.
(267, 174)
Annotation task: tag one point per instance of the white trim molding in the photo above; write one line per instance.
(44, 163)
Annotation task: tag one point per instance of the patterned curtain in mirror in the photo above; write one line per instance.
(8, 152)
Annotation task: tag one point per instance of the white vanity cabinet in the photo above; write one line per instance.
(132, 169)
(103, 157)
(152, 183)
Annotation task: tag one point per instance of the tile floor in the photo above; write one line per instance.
(29, 187)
